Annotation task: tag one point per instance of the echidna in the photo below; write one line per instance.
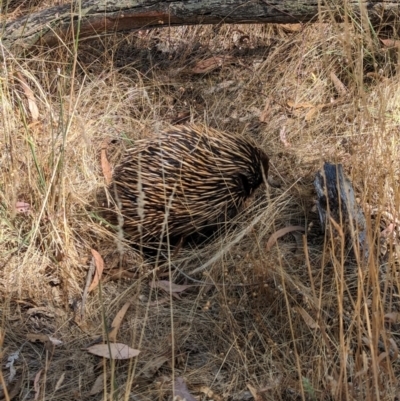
(183, 183)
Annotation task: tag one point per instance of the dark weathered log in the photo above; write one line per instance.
(95, 17)
(337, 201)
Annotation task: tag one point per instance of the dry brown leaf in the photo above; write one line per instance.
(181, 391)
(30, 96)
(153, 365)
(332, 385)
(381, 357)
(313, 109)
(210, 394)
(105, 165)
(310, 322)
(98, 385)
(366, 341)
(113, 351)
(99, 263)
(210, 64)
(36, 384)
(42, 311)
(118, 273)
(266, 111)
(37, 337)
(376, 75)
(339, 85)
(60, 381)
(282, 137)
(303, 105)
(311, 114)
(49, 342)
(336, 226)
(292, 27)
(392, 317)
(254, 393)
(332, 103)
(389, 230)
(395, 349)
(169, 287)
(55, 341)
(280, 233)
(112, 336)
(390, 42)
(365, 363)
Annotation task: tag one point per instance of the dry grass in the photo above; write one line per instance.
(300, 321)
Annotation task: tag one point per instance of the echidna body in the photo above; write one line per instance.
(183, 183)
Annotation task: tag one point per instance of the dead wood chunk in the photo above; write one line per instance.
(336, 200)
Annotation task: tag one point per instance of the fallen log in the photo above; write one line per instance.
(88, 18)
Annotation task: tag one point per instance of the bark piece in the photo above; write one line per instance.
(337, 201)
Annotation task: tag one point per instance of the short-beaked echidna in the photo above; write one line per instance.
(183, 183)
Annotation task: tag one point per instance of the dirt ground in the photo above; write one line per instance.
(244, 317)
